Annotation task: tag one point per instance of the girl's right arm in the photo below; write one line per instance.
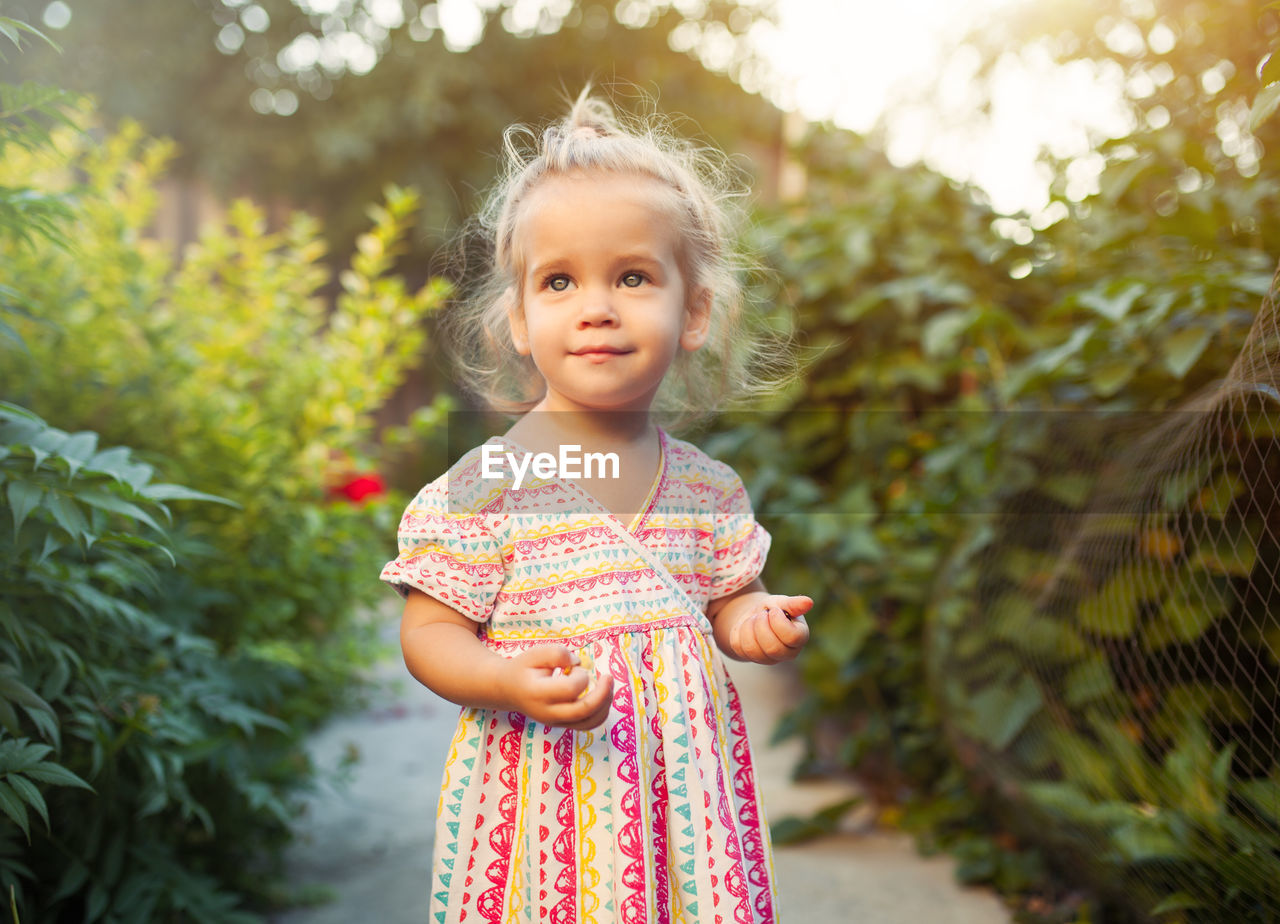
(442, 651)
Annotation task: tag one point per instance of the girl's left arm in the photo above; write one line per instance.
(755, 625)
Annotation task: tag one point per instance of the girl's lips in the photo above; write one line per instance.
(599, 354)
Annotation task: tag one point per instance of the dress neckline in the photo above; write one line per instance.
(646, 506)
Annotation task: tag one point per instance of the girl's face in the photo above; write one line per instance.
(603, 304)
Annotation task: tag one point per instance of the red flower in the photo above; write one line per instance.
(362, 486)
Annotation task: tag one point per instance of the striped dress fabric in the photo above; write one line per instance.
(654, 816)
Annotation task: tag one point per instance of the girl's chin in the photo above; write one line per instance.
(597, 404)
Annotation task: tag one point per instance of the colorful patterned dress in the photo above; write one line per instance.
(655, 815)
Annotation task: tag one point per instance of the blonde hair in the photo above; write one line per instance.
(592, 137)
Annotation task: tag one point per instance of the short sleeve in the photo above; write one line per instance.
(449, 555)
(740, 544)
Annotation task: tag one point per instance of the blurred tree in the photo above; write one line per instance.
(323, 102)
(1190, 72)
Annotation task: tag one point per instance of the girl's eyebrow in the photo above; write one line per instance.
(638, 257)
(541, 269)
(558, 264)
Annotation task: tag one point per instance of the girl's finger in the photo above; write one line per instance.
(791, 630)
(762, 638)
(550, 657)
(797, 633)
(780, 624)
(797, 606)
(780, 630)
(565, 685)
(592, 709)
(778, 637)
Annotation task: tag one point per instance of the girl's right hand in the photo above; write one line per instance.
(549, 685)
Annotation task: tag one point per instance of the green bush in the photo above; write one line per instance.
(232, 367)
(944, 350)
(129, 742)
(153, 717)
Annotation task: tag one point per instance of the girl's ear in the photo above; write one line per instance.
(515, 318)
(697, 320)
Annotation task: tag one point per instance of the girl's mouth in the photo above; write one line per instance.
(599, 354)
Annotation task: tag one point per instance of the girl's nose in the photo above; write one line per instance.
(597, 309)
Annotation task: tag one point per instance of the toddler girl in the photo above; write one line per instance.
(600, 770)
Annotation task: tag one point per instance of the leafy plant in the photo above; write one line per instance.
(926, 478)
(127, 739)
(152, 719)
(27, 113)
(234, 368)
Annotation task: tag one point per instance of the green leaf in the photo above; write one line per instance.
(1254, 283)
(11, 28)
(78, 449)
(1048, 361)
(1110, 377)
(110, 502)
(11, 688)
(19, 754)
(56, 775)
(118, 463)
(943, 329)
(1143, 840)
(1070, 801)
(46, 442)
(27, 792)
(1179, 487)
(1072, 488)
(51, 544)
(68, 516)
(9, 718)
(1264, 795)
(23, 498)
(1181, 350)
(164, 492)
(1230, 555)
(99, 897)
(1115, 304)
(24, 423)
(1113, 610)
(1000, 712)
(1188, 618)
(12, 806)
(1088, 681)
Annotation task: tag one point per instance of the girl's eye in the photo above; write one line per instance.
(632, 280)
(558, 283)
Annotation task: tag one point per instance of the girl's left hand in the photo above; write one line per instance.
(774, 630)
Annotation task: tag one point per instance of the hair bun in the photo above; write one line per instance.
(590, 130)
